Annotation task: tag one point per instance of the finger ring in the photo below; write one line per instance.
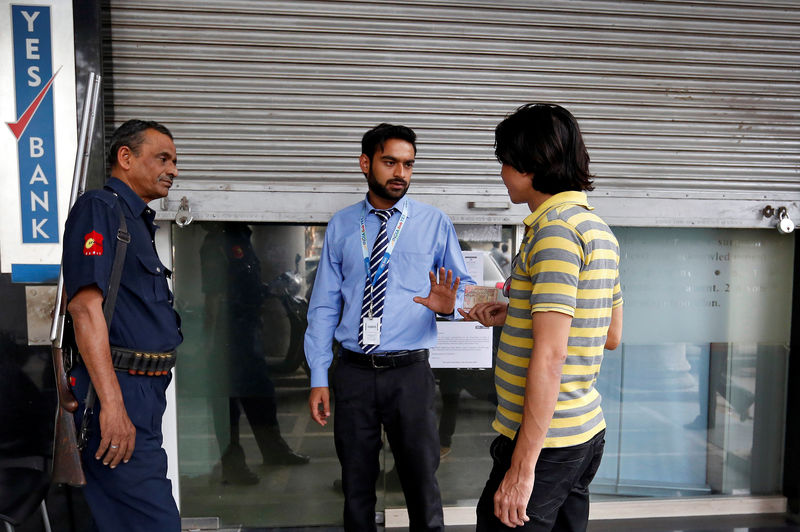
(115, 446)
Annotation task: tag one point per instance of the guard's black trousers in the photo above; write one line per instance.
(137, 496)
(402, 400)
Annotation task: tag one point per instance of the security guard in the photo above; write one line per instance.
(125, 465)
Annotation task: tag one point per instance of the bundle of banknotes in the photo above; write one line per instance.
(478, 294)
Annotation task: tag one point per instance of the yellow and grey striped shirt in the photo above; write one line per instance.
(568, 263)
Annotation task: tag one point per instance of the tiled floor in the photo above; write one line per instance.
(760, 523)
(763, 523)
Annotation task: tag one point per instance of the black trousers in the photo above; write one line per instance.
(560, 498)
(402, 400)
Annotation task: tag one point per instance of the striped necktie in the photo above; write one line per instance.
(374, 296)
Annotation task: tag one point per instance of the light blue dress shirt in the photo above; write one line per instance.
(427, 242)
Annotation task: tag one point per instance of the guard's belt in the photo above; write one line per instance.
(142, 363)
(391, 359)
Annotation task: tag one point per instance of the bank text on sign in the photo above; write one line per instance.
(35, 125)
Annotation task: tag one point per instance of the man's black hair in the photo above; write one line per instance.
(131, 134)
(377, 136)
(544, 139)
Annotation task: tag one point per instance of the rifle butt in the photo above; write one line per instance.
(67, 467)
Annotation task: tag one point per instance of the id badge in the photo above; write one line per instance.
(371, 331)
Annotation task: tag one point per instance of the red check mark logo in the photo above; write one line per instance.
(18, 127)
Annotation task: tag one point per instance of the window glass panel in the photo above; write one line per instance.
(248, 450)
(693, 398)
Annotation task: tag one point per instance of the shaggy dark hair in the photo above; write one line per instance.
(544, 139)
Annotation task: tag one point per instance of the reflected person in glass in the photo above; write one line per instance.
(234, 292)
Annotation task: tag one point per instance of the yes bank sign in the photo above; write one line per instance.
(35, 127)
(39, 92)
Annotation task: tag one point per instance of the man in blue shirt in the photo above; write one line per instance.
(124, 463)
(376, 272)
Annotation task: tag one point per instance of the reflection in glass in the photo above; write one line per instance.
(693, 399)
(234, 297)
(243, 440)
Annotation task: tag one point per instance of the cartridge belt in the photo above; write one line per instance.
(142, 362)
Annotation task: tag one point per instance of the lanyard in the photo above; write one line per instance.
(388, 253)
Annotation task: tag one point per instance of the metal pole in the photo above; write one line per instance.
(78, 183)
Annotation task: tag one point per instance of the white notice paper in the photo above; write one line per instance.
(474, 263)
(462, 344)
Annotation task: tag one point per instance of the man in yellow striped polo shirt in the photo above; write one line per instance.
(565, 307)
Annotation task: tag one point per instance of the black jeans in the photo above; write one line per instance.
(560, 498)
(402, 400)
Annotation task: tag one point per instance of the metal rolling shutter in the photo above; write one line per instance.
(691, 109)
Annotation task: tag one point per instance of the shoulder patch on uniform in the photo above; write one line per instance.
(238, 252)
(93, 243)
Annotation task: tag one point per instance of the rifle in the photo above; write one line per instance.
(66, 456)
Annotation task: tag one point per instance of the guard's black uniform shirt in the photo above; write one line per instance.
(144, 318)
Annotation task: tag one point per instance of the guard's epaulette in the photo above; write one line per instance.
(103, 194)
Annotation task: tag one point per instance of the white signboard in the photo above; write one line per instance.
(462, 344)
(39, 136)
(474, 262)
